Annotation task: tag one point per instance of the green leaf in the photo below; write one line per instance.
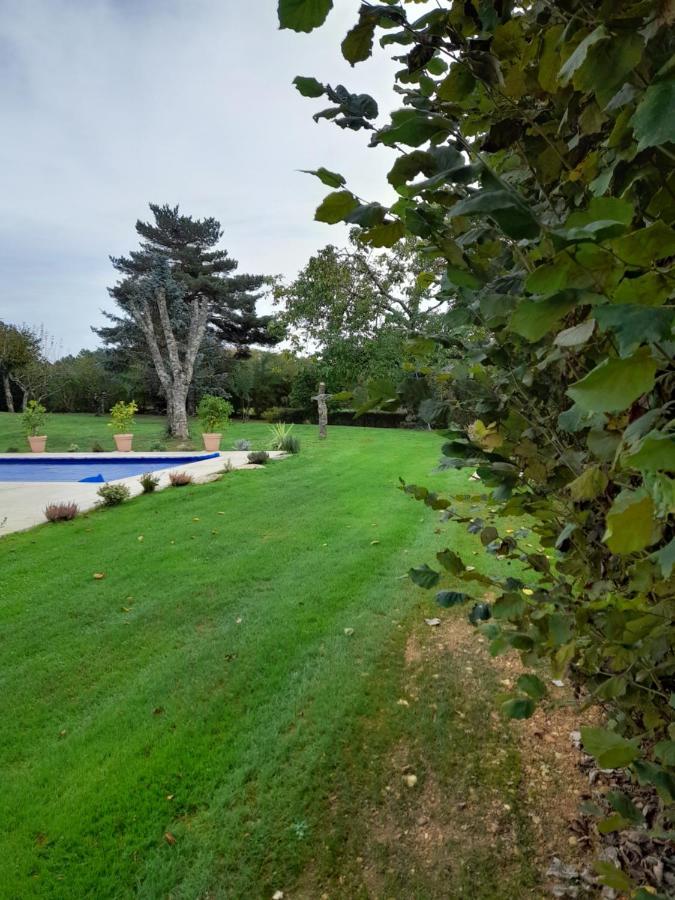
(656, 452)
(646, 245)
(309, 87)
(451, 561)
(384, 235)
(424, 576)
(549, 61)
(623, 804)
(576, 335)
(665, 557)
(609, 749)
(651, 289)
(457, 84)
(336, 207)
(508, 211)
(615, 384)
(653, 121)
(366, 215)
(331, 179)
(447, 599)
(663, 781)
(576, 59)
(665, 751)
(613, 209)
(508, 606)
(462, 278)
(412, 127)
(590, 484)
(303, 15)
(635, 325)
(614, 822)
(532, 686)
(534, 318)
(611, 876)
(358, 44)
(608, 63)
(630, 522)
(518, 708)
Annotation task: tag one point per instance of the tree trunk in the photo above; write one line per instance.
(176, 411)
(9, 400)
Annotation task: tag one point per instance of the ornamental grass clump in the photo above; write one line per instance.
(61, 512)
(113, 494)
(279, 432)
(149, 482)
(179, 479)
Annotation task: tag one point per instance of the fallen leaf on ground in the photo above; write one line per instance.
(99, 575)
(169, 838)
(410, 780)
(433, 621)
(349, 632)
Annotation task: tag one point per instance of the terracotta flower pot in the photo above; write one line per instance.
(123, 442)
(37, 443)
(212, 441)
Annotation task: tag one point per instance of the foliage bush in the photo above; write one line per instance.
(273, 414)
(74, 448)
(13, 450)
(97, 448)
(258, 457)
(536, 149)
(122, 416)
(33, 418)
(290, 443)
(61, 512)
(149, 482)
(113, 494)
(242, 445)
(157, 446)
(180, 479)
(214, 413)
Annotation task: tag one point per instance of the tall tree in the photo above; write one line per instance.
(20, 348)
(174, 289)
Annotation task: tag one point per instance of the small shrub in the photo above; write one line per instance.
(74, 448)
(278, 434)
(158, 446)
(258, 457)
(122, 416)
(242, 445)
(33, 418)
(61, 512)
(228, 467)
(180, 479)
(214, 413)
(113, 494)
(149, 482)
(273, 414)
(13, 450)
(290, 444)
(97, 448)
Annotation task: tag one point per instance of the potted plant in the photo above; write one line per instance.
(33, 419)
(122, 415)
(214, 414)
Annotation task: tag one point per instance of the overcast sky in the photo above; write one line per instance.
(107, 105)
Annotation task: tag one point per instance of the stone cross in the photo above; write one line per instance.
(321, 398)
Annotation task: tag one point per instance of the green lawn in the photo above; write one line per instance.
(198, 724)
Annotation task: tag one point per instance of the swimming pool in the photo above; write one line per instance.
(98, 468)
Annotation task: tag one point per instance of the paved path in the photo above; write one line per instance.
(22, 503)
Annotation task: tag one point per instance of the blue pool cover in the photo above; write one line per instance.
(98, 468)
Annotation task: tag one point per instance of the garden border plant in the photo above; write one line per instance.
(536, 154)
(122, 419)
(33, 420)
(214, 414)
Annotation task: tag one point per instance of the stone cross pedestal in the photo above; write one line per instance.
(321, 398)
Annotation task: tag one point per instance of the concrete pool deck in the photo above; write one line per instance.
(22, 503)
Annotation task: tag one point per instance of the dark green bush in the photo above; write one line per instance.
(258, 457)
(149, 482)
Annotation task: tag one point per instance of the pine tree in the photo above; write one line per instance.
(173, 289)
